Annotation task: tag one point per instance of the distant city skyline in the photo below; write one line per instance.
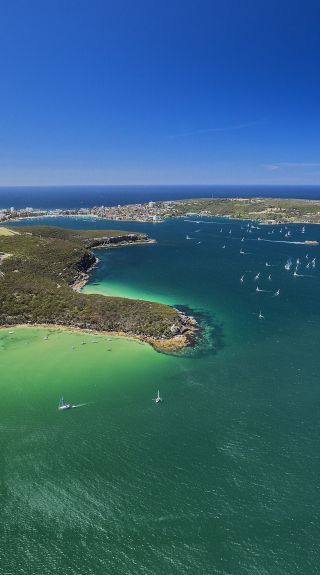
(145, 93)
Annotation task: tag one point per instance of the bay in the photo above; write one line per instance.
(223, 476)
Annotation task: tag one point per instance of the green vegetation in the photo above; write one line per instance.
(271, 210)
(38, 267)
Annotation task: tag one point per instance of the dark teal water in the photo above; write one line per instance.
(223, 478)
(49, 197)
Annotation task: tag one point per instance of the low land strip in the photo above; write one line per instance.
(267, 210)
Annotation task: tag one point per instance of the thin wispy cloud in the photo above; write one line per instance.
(232, 128)
(280, 165)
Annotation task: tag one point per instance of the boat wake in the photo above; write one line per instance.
(81, 404)
(276, 241)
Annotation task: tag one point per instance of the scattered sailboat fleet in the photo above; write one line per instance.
(290, 263)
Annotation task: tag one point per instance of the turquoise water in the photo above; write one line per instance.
(223, 477)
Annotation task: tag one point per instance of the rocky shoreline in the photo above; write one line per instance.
(87, 265)
(46, 288)
(183, 335)
(186, 338)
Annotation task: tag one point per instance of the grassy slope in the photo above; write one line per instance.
(6, 232)
(277, 209)
(35, 286)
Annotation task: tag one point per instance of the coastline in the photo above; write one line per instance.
(263, 209)
(180, 330)
(83, 277)
(176, 343)
(230, 217)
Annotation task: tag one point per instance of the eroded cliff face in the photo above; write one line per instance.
(86, 262)
(88, 259)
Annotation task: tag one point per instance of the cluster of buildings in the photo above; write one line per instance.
(148, 212)
(13, 213)
(7, 214)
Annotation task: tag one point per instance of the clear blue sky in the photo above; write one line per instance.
(159, 91)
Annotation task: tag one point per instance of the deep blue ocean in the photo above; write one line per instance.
(88, 196)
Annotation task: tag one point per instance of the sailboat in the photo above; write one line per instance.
(260, 315)
(63, 405)
(288, 264)
(158, 399)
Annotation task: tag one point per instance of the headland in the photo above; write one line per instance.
(265, 210)
(43, 269)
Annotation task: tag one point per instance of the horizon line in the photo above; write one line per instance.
(269, 185)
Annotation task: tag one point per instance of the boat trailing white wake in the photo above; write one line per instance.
(277, 241)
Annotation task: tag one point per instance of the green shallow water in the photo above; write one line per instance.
(223, 477)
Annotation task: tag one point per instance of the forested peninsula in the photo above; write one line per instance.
(42, 269)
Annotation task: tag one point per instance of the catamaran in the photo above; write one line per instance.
(63, 405)
(158, 399)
